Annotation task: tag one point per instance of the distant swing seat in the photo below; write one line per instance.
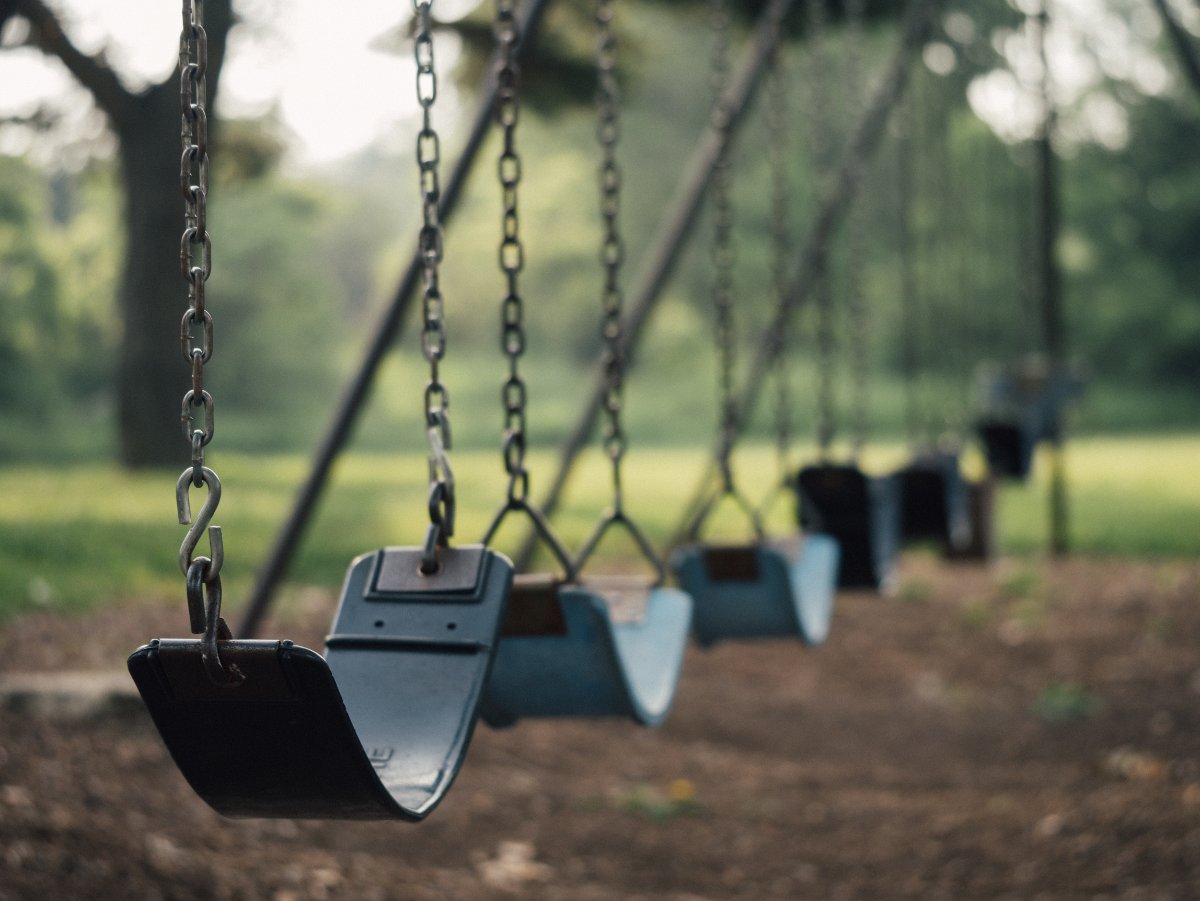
(611, 646)
(980, 543)
(760, 590)
(1025, 409)
(934, 501)
(861, 512)
(376, 729)
(1007, 447)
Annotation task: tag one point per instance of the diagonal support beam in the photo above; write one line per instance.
(811, 259)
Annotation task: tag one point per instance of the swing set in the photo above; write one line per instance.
(430, 638)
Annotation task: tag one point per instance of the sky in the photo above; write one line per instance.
(337, 91)
(334, 89)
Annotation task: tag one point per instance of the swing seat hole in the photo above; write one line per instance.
(451, 626)
(379, 624)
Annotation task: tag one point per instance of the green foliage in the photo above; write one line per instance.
(58, 260)
(278, 298)
(31, 328)
(72, 537)
(303, 263)
(1135, 217)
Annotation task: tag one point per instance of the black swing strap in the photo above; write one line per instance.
(376, 729)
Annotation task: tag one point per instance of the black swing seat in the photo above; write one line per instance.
(1024, 407)
(376, 729)
(934, 500)
(610, 646)
(980, 543)
(861, 512)
(1007, 447)
(760, 590)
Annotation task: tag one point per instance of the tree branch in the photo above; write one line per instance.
(91, 71)
(1185, 49)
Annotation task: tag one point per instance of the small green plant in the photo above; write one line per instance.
(1030, 612)
(655, 804)
(1158, 628)
(1021, 584)
(975, 614)
(1062, 702)
(915, 591)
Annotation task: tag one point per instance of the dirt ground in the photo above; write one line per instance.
(1025, 730)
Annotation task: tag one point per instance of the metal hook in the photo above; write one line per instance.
(206, 593)
(201, 522)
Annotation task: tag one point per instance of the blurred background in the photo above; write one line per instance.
(314, 209)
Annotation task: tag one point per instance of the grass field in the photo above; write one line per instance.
(77, 536)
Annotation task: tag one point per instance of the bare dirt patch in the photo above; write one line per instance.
(1026, 730)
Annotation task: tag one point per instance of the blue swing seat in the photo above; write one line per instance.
(862, 512)
(760, 590)
(1024, 407)
(611, 646)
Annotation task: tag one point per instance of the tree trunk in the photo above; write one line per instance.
(152, 375)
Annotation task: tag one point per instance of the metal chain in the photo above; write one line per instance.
(781, 236)
(612, 252)
(512, 253)
(722, 248)
(433, 334)
(826, 343)
(909, 297)
(195, 264)
(857, 302)
(195, 246)
(202, 574)
(612, 256)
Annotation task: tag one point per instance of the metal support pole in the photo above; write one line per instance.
(1050, 285)
(385, 333)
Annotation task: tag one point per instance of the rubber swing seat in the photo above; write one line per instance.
(1007, 447)
(934, 503)
(611, 646)
(376, 729)
(761, 590)
(862, 512)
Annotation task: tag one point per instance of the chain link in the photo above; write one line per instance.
(612, 248)
(512, 252)
(817, 16)
(612, 256)
(722, 252)
(781, 236)
(195, 245)
(909, 297)
(857, 301)
(196, 327)
(430, 248)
